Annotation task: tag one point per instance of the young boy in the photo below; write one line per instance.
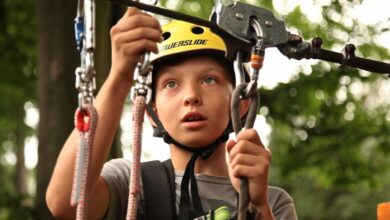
(192, 89)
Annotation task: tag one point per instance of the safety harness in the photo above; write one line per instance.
(160, 200)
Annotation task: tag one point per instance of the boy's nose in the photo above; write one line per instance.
(192, 101)
(192, 97)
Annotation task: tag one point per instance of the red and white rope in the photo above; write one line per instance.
(135, 176)
(85, 122)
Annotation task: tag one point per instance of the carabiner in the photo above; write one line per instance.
(143, 78)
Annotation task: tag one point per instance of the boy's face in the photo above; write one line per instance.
(193, 100)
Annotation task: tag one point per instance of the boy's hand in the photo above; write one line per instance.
(249, 159)
(135, 33)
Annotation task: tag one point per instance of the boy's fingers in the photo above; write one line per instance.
(141, 46)
(135, 21)
(244, 171)
(250, 135)
(138, 34)
(244, 147)
(131, 11)
(229, 145)
(244, 159)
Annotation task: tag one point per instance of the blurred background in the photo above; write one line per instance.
(326, 126)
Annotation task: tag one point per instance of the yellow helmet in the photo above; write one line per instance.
(183, 37)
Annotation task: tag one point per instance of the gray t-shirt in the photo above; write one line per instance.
(214, 192)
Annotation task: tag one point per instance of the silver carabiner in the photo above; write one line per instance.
(257, 53)
(143, 75)
(85, 38)
(143, 78)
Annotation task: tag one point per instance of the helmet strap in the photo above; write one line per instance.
(186, 211)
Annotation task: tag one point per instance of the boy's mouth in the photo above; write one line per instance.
(193, 116)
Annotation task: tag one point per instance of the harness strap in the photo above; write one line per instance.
(158, 181)
(186, 209)
(190, 205)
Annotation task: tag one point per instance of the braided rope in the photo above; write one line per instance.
(135, 175)
(85, 122)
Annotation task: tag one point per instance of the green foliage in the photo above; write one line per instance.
(17, 64)
(11, 207)
(191, 7)
(330, 128)
(315, 123)
(17, 86)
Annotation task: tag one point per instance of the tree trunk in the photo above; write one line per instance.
(57, 60)
(21, 172)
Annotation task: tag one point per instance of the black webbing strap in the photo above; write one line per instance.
(188, 210)
(159, 189)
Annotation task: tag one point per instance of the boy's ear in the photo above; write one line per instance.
(150, 117)
(244, 106)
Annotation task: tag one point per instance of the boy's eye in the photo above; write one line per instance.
(209, 80)
(170, 84)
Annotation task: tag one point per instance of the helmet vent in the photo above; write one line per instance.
(197, 30)
(166, 35)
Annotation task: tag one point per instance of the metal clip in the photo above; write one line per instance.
(143, 79)
(85, 79)
(79, 31)
(85, 35)
(238, 69)
(79, 25)
(257, 57)
(85, 86)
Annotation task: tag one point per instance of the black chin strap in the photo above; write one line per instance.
(188, 209)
